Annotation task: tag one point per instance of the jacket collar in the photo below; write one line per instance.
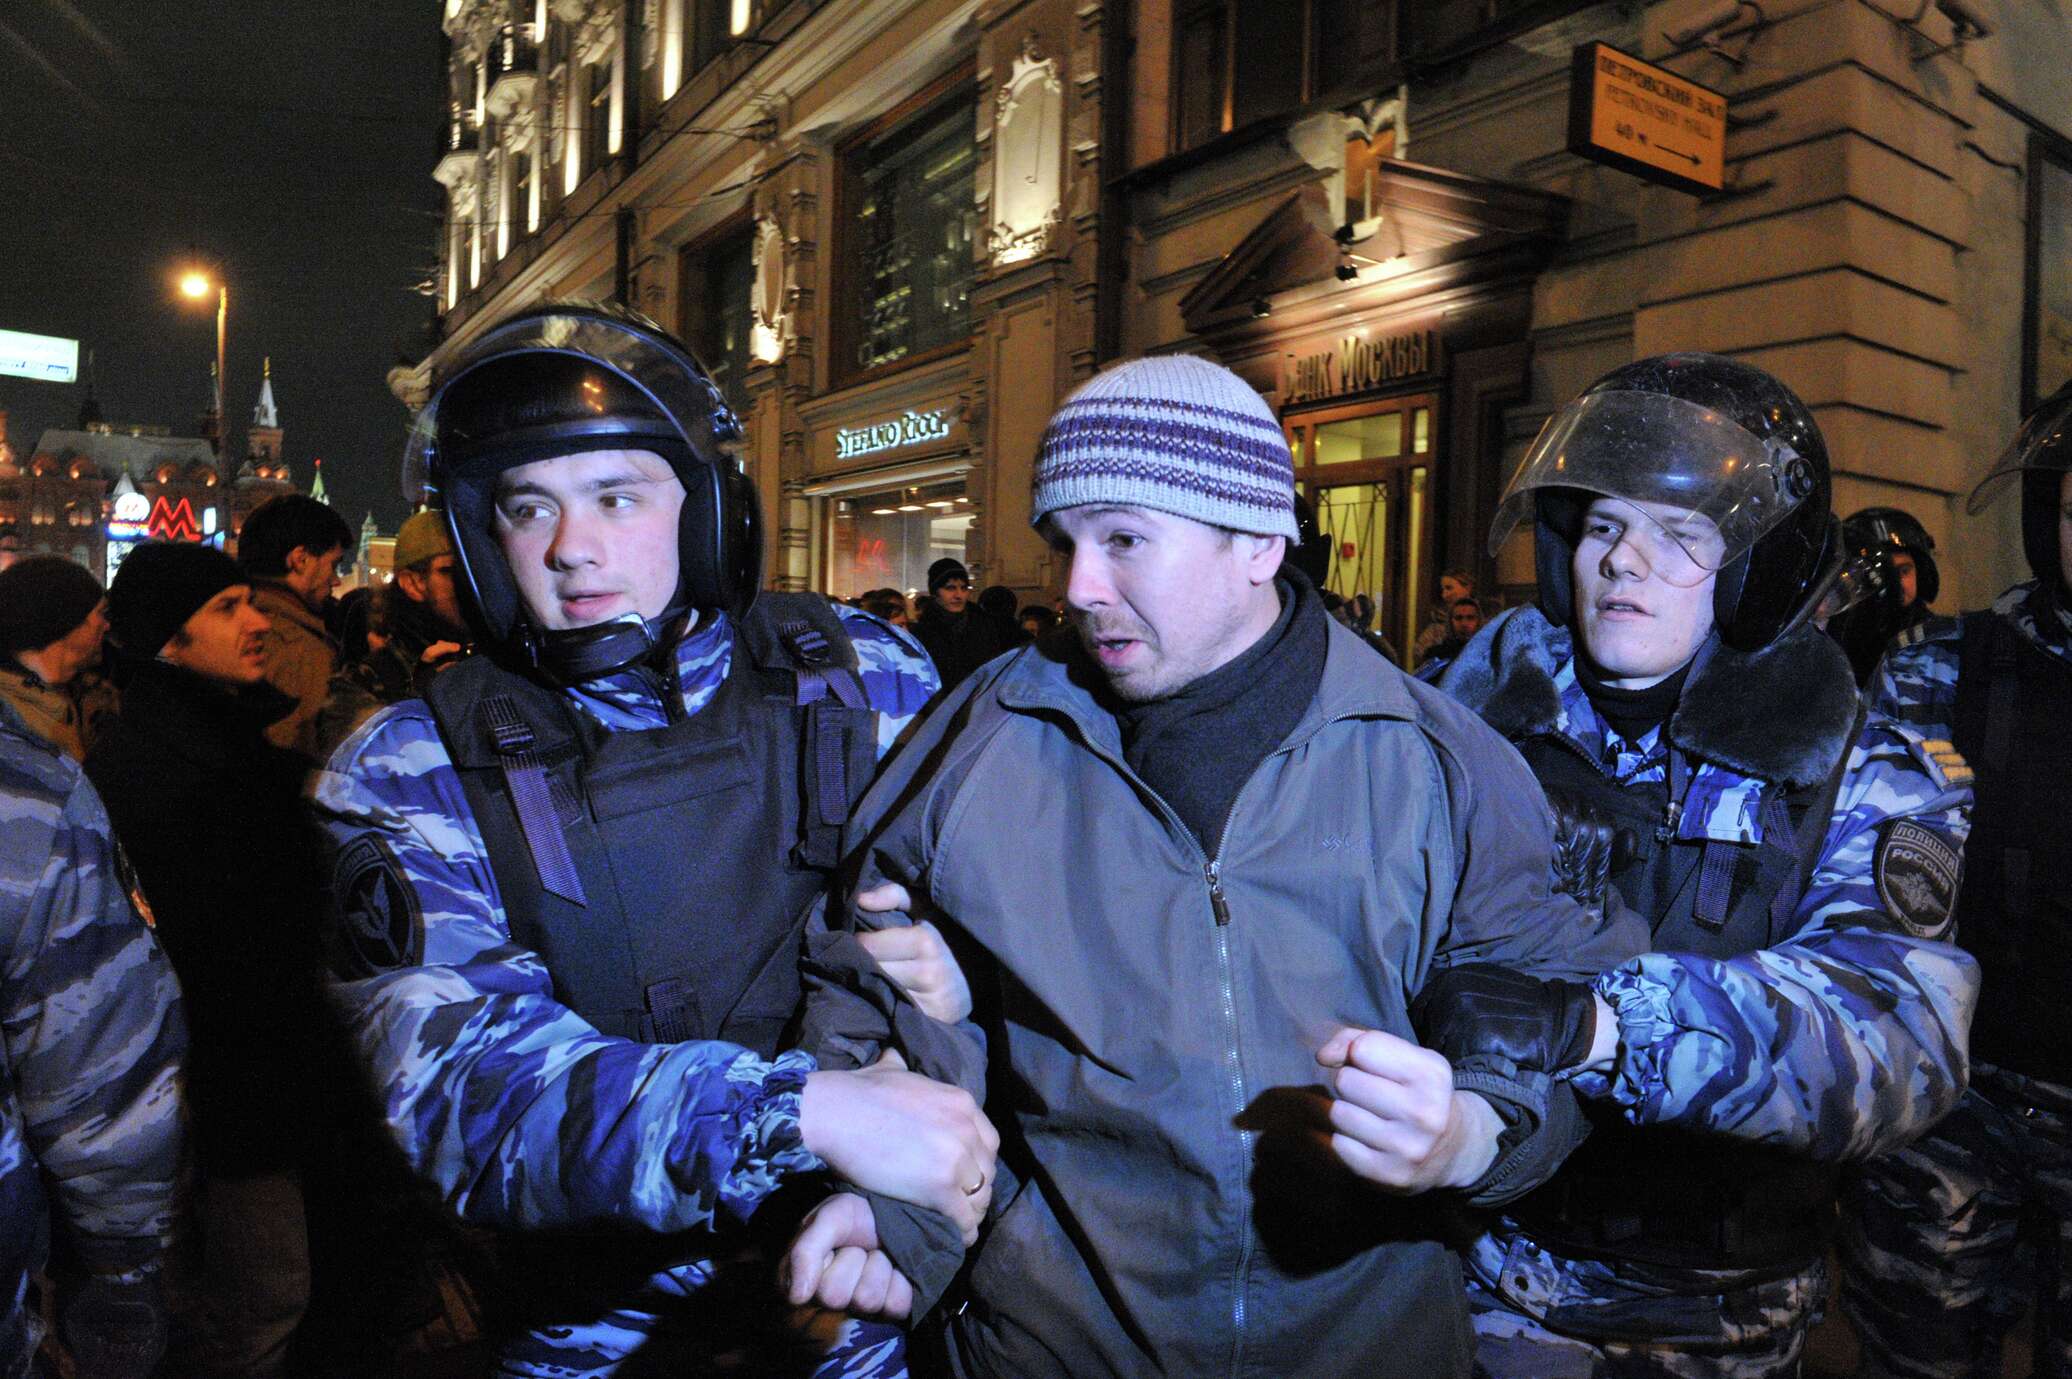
(276, 600)
(1055, 676)
(1728, 716)
(199, 719)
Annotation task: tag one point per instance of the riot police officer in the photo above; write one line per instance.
(1794, 859)
(1908, 556)
(572, 878)
(1938, 1251)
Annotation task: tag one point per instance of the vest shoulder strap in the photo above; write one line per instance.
(802, 633)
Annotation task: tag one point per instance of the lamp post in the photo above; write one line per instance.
(195, 284)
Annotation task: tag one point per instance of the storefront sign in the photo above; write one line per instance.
(1356, 364)
(1646, 120)
(911, 428)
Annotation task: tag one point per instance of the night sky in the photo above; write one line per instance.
(289, 142)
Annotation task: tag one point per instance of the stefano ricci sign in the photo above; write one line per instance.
(894, 433)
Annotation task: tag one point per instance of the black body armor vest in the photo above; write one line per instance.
(1654, 1194)
(2014, 913)
(663, 875)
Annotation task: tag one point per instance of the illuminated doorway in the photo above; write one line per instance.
(1368, 470)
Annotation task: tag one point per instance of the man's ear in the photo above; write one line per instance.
(298, 560)
(413, 583)
(1263, 556)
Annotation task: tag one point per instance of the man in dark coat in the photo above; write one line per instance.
(209, 812)
(958, 637)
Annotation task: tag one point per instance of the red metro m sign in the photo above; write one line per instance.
(172, 521)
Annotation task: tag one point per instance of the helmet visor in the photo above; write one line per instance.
(2044, 442)
(676, 387)
(1693, 484)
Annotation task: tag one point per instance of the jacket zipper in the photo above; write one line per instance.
(1219, 906)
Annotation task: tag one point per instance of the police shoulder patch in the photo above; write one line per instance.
(381, 925)
(1918, 873)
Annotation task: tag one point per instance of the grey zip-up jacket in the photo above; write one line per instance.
(1147, 1017)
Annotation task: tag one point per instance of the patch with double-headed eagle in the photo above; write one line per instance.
(1918, 873)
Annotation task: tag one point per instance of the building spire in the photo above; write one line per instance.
(316, 486)
(264, 414)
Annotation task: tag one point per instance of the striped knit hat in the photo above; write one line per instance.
(1174, 433)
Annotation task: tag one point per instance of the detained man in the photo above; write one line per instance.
(1242, 845)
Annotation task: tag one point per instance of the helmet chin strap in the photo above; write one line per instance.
(572, 655)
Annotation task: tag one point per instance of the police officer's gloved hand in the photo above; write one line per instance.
(113, 1327)
(1584, 844)
(1544, 1024)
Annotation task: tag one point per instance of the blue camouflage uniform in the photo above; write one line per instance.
(1947, 1241)
(1844, 1039)
(90, 1044)
(519, 1111)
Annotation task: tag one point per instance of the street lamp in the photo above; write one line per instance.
(195, 284)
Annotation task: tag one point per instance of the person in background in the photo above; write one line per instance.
(227, 858)
(957, 637)
(997, 602)
(888, 605)
(1948, 1241)
(1466, 622)
(1038, 619)
(421, 620)
(91, 1046)
(53, 619)
(1866, 629)
(290, 548)
(1454, 585)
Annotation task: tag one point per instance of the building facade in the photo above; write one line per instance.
(900, 231)
(93, 493)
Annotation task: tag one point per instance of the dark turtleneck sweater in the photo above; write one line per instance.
(1199, 745)
(1632, 713)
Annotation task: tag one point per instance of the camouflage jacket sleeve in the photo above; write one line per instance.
(91, 1030)
(1850, 1036)
(520, 1111)
(898, 677)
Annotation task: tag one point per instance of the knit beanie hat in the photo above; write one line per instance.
(1174, 433)
(422, 537)
(42, 598)
(160, 585)
(945, 570)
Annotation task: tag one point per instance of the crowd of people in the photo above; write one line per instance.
(572, 950)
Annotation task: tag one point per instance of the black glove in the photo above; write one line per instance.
(114, 1329)
(1543, 1024)
(1585, 843)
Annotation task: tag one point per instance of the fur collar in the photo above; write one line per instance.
(1783, 714)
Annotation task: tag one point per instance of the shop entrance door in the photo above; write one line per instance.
(1367, 469)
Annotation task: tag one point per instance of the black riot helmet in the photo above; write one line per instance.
(1702, 433)
(2040, 453)
(1893, 528)
(565, 379)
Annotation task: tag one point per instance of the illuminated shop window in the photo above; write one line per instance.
(888, 540)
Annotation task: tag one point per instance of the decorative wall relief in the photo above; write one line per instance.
(770, 331)
(1028, 158)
